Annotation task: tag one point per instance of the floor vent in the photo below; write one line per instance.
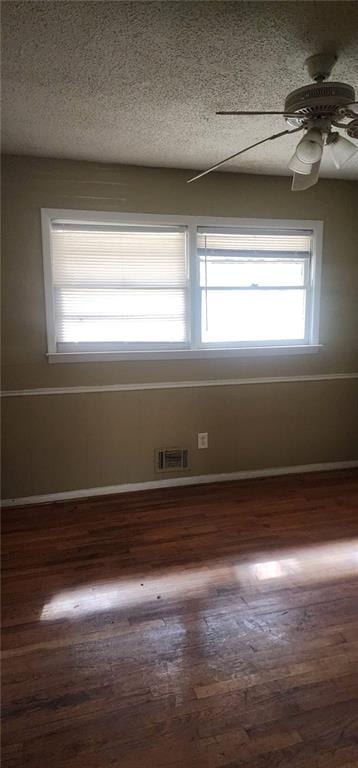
(171, 459)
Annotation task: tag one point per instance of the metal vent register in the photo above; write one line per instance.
(170, 459)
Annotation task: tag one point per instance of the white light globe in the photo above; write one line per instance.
(342, 150)
(308, 151)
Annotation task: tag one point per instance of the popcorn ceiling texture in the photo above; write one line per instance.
(139, 82)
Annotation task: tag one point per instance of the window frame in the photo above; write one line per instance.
(195, 347)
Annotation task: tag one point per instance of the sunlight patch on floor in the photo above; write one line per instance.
(306, 565)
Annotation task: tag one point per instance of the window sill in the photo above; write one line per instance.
(183, 354)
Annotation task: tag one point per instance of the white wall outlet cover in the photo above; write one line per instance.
(203, 440)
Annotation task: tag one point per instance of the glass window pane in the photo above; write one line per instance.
(226, 272)
(121, 315)
(124, 330)
(239, 316)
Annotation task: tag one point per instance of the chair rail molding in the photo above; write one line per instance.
(137, 386)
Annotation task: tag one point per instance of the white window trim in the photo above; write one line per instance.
(197, 350)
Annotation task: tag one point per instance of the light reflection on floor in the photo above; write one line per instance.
(312, 564)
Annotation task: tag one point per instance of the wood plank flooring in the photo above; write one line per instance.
(205, 626)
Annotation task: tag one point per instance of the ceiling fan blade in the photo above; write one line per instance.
(301, 182)
(353, 108)
(287, 114)
(240, 152)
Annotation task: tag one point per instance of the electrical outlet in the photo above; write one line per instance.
(203, 440)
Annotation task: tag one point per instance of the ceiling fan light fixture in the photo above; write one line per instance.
(309, 149)
(341, 149)
(307, 152)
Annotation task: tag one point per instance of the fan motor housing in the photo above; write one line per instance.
(317, 100)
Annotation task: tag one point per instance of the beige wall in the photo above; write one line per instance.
(63, 442)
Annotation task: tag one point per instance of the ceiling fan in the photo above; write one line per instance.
(317, 109)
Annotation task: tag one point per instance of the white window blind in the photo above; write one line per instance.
(119, 286)
(254, 286)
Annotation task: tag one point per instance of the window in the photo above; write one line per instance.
(119, 285)
(125, 285)
(254, 286)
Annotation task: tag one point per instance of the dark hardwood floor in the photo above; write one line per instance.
(204, 626)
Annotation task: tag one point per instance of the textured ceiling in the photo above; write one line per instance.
(139, 82)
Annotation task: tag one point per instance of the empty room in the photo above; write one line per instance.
(179, 384)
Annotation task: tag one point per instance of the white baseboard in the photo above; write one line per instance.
(47, 498)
